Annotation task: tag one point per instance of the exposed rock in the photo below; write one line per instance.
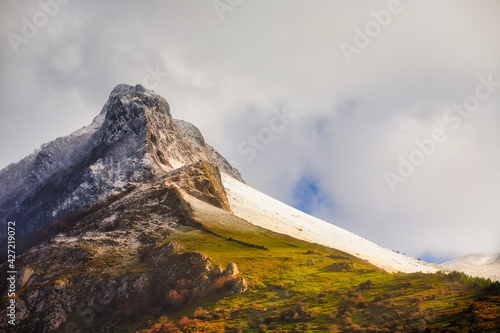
(340, 266)
(161, 256)
(22, 311)
(231, 269)
(240, 285)
(55, 318)
(190, 130)
(133, 140)
(60, 285)
(202, 180)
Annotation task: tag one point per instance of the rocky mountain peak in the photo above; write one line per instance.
(128, 110)
(115, 192)
(134, 140)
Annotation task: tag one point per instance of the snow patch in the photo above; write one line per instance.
(484, 265)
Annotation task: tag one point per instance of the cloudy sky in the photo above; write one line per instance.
(382, 117)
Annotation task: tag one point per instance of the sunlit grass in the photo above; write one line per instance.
(286, 272)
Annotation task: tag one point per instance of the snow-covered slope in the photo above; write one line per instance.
(485, 265)
(266, 212)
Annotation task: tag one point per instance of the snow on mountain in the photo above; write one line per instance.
(132, 141)
(485, 265)
(266, 212)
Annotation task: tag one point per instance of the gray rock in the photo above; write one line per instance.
(240, 285)
(133, 140)
(231, 269)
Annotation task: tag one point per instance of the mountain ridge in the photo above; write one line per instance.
(484, 265)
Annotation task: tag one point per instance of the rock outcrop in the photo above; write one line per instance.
(240, 285)
(231, 269)
(202, 180)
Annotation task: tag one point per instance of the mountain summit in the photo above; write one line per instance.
(132, 141)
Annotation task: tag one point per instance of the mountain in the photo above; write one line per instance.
(135, 217)
(134, 140)
(485, 265)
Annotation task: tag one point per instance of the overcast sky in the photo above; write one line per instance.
(320, 104)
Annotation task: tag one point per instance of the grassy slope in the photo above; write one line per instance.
(287, 273)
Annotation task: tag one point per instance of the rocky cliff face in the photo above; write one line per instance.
(105, 203)
(133, 141)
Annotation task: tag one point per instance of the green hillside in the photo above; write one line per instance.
(295, 286)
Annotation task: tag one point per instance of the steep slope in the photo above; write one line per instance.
(266, 212)
(485, 265)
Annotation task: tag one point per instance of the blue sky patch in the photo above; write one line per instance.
(308, 196)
